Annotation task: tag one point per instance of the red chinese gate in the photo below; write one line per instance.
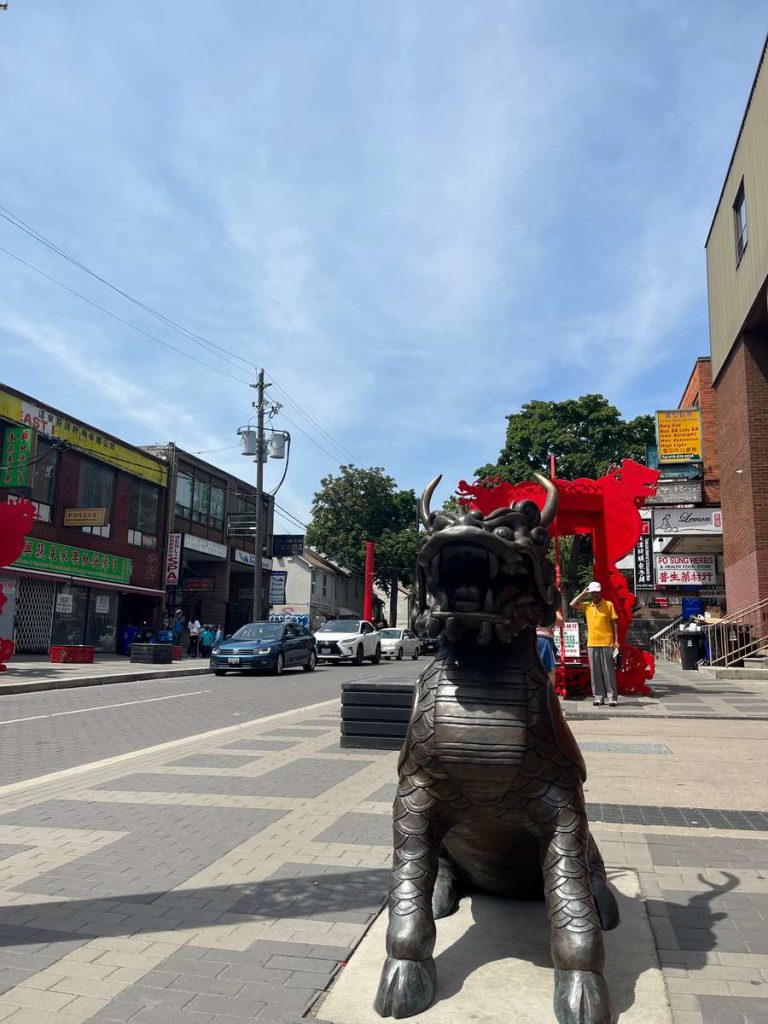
(607, 509)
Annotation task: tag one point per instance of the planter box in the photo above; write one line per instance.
(151, 654)
(375, 714)
(72, 654)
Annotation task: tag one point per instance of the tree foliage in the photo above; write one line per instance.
(587, 435)
(359, 505)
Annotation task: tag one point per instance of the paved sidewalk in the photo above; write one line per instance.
(28, 674)
(225, 878)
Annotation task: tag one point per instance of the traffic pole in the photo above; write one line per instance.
(258, 532)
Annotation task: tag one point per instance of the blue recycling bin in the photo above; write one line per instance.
(125, 639)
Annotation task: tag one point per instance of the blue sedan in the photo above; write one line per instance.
(265, 647)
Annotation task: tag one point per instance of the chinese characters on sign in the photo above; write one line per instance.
(685, 570)
(644, 558)
(571, 637)
(54, 425)
(18, 448)
(173, 560)
(679, 435)
(47, 556)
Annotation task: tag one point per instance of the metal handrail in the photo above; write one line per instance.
(664, 642)
(666, 629)
(736, 636)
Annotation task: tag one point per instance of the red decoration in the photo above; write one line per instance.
(608, 510)
(16, 520)
(370, 549)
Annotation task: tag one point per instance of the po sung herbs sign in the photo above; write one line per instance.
(685, 570)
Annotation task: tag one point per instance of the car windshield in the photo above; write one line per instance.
(259, 631)
(340, 626)
(390, 634)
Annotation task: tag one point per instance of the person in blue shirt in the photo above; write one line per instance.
(206, 641)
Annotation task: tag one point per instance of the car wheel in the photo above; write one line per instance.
(219, 672)
(377, 656)
(415, 655)
(279, 665)
(359, 655)
(311, 662)
(399, 654)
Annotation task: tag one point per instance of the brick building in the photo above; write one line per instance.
(737, 282)
(210, 530)
(700, 394)
(92, 562)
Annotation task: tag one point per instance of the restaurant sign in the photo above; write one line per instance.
(644, 559)
(47, 556)
(672, 522)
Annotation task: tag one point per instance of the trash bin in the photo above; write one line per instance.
(690, 646)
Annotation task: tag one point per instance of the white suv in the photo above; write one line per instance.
(348, 639)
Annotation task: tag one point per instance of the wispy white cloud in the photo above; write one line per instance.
(416, 217)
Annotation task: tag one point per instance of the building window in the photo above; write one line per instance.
(313, 582)
(142, 526)
(95, 488)
(218, 504)
(740, 222)
(184, 495)
(325, 584)
(39, 483)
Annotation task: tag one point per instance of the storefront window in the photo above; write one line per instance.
(145, 501)
(184, 495)
(218, 502)
(200, 500)
(95, 487)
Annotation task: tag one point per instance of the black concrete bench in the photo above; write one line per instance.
(375, 714)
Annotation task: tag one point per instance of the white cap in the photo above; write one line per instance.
(594, 588)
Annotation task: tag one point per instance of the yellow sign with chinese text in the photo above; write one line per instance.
(679, 435)
(85, 516)
(78, 435)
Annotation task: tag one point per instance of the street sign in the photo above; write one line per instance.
(685, 570)
(644, 559)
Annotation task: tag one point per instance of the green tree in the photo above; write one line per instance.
(586, 436)
(360, 505)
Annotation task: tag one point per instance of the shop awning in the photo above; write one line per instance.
(83, 581)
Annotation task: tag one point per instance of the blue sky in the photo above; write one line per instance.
(415, 215)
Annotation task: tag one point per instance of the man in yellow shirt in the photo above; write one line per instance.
(602, 642)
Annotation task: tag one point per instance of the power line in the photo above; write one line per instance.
(231, 357)
(120, 319)
(17, 222)
(152, 337)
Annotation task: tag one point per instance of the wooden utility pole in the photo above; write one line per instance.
(259, 531)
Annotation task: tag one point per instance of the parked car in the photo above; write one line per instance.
(397, 642)
(265, 647)
(429, 644)
(348, 640)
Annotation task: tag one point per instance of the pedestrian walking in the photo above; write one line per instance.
(219, 635)
(602, 642)
(177, 628)
(545, 646)
(206, 640)
(194, 637)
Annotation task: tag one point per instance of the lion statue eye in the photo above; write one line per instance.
(503, 531)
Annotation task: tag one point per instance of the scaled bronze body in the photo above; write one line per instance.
(490, 777)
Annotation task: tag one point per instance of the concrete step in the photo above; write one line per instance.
(754, 675)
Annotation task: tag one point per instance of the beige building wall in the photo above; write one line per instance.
(735, 290)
